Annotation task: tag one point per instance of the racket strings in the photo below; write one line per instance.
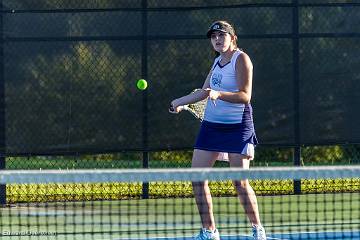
(198, 108)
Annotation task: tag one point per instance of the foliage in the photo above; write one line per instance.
(113, 191)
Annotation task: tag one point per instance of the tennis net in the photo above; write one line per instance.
(107, 204)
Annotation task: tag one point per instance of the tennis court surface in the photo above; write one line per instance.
(106, 204)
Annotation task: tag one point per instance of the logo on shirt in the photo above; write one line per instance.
(216, 79)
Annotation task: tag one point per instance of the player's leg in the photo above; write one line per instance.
(244, 190)
(247, 195)
(204, 159)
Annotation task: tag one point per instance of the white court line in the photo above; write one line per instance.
(249, 236)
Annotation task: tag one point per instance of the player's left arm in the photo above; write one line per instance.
(244, 75)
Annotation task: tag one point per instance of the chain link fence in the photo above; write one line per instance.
(70, 68)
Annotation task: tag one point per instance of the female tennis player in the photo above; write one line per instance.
(227, 127)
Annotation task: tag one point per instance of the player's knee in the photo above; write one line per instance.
(199, 186)
(242, 185)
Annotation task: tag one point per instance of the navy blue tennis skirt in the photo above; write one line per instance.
(230, 138)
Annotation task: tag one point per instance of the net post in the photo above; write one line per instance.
(144, 73)
(2, 186)
(296, 72)
(145, 185)
(2, 109)
(297, 162)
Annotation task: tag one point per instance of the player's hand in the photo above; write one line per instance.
(174, 108)
(213, 95)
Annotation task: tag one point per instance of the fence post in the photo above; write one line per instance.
(296, 72)
(144, 73)
(2, 108)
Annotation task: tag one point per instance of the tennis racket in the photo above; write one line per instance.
(196, 109)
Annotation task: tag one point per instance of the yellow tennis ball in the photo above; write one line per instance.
(141, 84)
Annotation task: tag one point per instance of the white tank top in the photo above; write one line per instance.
(223, 78)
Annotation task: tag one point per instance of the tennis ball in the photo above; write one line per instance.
(141, 84)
